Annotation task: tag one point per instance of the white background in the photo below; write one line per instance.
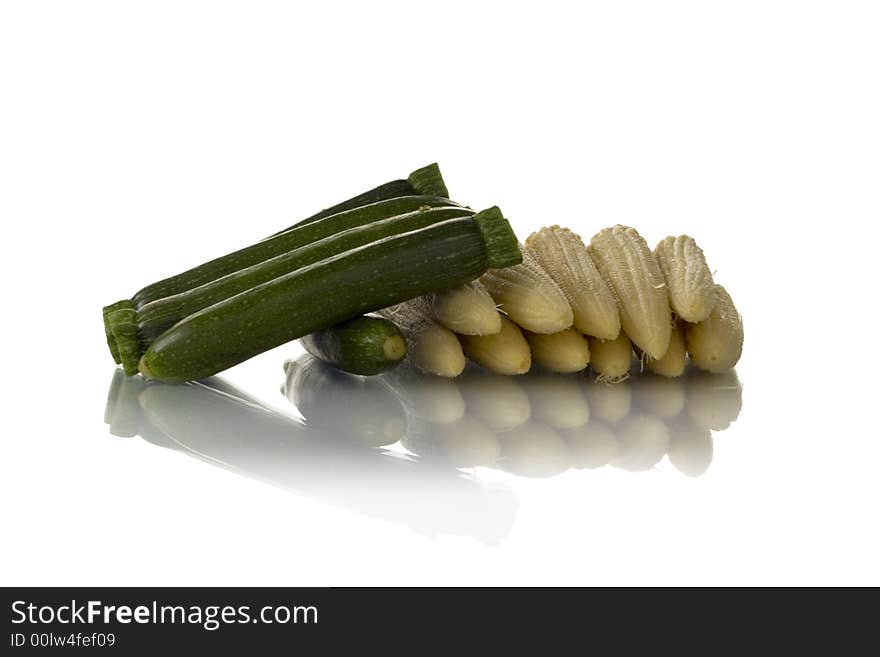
(137, 139)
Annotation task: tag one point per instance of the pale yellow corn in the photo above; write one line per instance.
(507, 352)
(565, 351)
(468, 309)
(527, 294)
(429, 346)
(715, 344)
(563, 255)
(688, 278)
(673, 362)
(623, 258)
(611, 359)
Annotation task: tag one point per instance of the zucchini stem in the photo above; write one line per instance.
(428, 181)
(502, 247)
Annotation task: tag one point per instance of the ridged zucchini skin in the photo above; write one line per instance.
(157, 317)
(154, 317)
(281, 243)
(426, 181)
(329, 292)
(363, 345)
(108, 329)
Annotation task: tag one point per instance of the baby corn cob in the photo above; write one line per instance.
(691, 288)
(430, 346)
(528, 295)
(563, 255)
(611, 359)
(715, 344)
(673, 362)
(623, 258)
(566, 351)
(505, 353)
(468, 309)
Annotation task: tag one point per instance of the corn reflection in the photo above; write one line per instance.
(542, 424)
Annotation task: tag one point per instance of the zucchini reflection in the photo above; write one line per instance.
(213, 421)
(536, 425)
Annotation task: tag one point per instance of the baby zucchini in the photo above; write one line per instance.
(363, 345)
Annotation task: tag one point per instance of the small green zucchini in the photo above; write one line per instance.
(331, 291)
(363, 345)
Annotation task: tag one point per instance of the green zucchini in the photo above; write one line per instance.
(348, 408)
(331, 291)
(157, 317)
(363, 345)
(426, 181)
(282, 242)
(168, 309)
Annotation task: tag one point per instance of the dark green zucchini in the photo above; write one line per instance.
(422, 182)
(426, 181)
(261, 251)
(331, 291)
(349, 408)
(155, 318)
(282, 242)
(364, 345)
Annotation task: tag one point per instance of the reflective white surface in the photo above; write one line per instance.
(135, 144)
(403, 446)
